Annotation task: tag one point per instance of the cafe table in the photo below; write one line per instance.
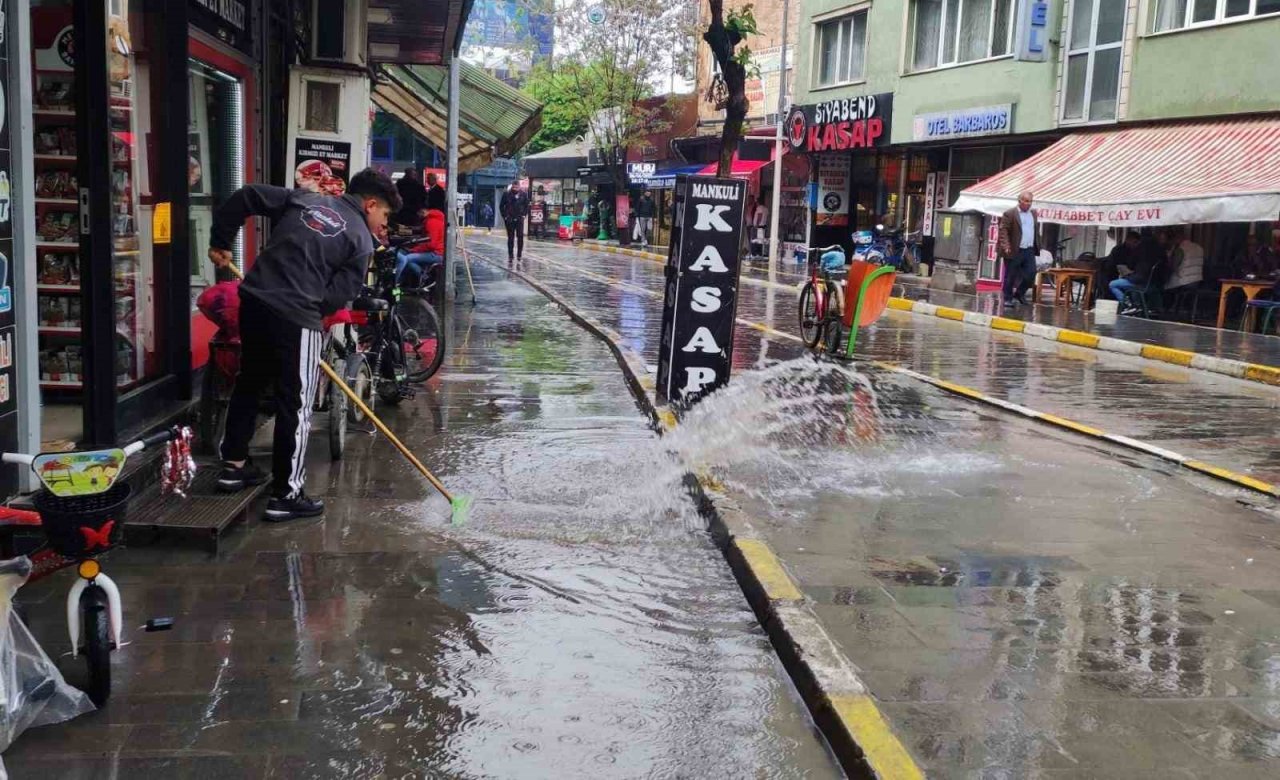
(1063, 279)
(1251, 288)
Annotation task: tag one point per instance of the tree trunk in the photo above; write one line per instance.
(735, 80)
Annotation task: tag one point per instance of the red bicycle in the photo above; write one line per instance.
(821, 299)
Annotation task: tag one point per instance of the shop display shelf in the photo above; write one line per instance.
(54, 157)
(75, 384)
(53, 112)
(58, 288)
(59, 330)
(57, 245)
(56, 201)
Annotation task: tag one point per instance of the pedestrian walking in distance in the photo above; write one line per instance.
(1018, 248)
(313, 264)
(514, 207)
(645, 212)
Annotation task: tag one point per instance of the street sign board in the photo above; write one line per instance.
(703, 263)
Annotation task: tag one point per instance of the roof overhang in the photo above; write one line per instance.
(423, 32)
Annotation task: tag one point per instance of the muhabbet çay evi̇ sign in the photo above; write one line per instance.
(701, 288)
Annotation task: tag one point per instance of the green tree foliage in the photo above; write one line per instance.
(562, 117)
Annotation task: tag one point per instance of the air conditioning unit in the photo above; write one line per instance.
(338, 31)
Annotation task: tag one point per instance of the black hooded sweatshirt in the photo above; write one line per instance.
(316, 258)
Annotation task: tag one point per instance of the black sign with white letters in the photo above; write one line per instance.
(702, 288)
(8, 325)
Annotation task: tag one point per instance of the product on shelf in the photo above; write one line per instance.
(57, 268)
(56, 184)
(55, 95)
(57, 226)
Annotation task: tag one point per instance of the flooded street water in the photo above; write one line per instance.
(1022, 602)
(580, 624)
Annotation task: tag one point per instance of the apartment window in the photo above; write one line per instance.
(1094, 44)
(947, 32)
(841, 49)
(1177, 14)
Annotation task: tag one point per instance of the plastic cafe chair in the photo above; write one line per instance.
(1146, 299)
(1267, 307)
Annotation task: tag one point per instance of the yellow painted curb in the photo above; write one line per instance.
(901, 304)
(667, 418)
(1267, 374)
(1063, 422)
(1078, 338)
(948, 313)
(888, 759)
(959, 389)
(1178, 357)
(1004, 323)
(766, 568)
(1231, 476)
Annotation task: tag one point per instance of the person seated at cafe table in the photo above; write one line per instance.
(1253, 259)
(1186, 263)
(1124, 254)
(1152, 259)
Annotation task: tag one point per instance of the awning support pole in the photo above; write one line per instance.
(451, 179)
(776, 205)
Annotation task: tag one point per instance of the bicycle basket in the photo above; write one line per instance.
(77, 526)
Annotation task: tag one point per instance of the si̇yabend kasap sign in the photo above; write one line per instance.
(701, 288)
(837, 125)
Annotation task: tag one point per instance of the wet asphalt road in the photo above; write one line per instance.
(1021, 602)
(580, 624)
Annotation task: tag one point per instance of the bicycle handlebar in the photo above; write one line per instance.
(160, 437)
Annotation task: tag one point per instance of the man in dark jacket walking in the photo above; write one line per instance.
(312, 265)
(514, 207)
(1018, 248)
(645, 212)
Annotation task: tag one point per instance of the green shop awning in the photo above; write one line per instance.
(496, 120)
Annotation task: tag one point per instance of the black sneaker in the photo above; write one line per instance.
(281, 509)
(233, 479)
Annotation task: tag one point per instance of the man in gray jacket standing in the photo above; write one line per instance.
(314, 262)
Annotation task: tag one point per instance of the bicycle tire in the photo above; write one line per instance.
(337, 408)
(834, 336)
(424, 341)
(359, 378)
(810, 323)
(390, 365)
(96, 624)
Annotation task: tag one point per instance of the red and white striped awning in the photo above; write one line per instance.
(1168, 174)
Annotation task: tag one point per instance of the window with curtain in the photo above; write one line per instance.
(841, 49)
(949, 32)
(1177, 14)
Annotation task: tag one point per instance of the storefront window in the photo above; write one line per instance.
(215, 159)
(57, 261)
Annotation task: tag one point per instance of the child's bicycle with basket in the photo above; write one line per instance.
(80, 510)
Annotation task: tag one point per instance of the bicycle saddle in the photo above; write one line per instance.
(364, 303)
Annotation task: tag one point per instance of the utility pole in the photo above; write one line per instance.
(451, 181)
(774, 244)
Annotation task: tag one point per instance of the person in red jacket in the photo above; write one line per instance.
(422, 257)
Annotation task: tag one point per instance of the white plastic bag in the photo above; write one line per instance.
(32, 691)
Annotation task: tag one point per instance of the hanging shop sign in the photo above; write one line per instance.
(226, 20)
(841, 124)
(8, 323)
(322, 166)
(935, 198)
(965, 123)
(832, 207)
(696, 349)
(1031, 34)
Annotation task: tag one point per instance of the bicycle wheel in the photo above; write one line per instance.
(391, 371)
(213, 411)
(422, 336)
(359, 377)
(337, 408)
(97, 644)
(810, 320)
(834, 336)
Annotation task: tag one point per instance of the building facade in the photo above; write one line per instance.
(902, 104)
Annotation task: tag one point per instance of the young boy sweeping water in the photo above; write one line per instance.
(312, 265)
